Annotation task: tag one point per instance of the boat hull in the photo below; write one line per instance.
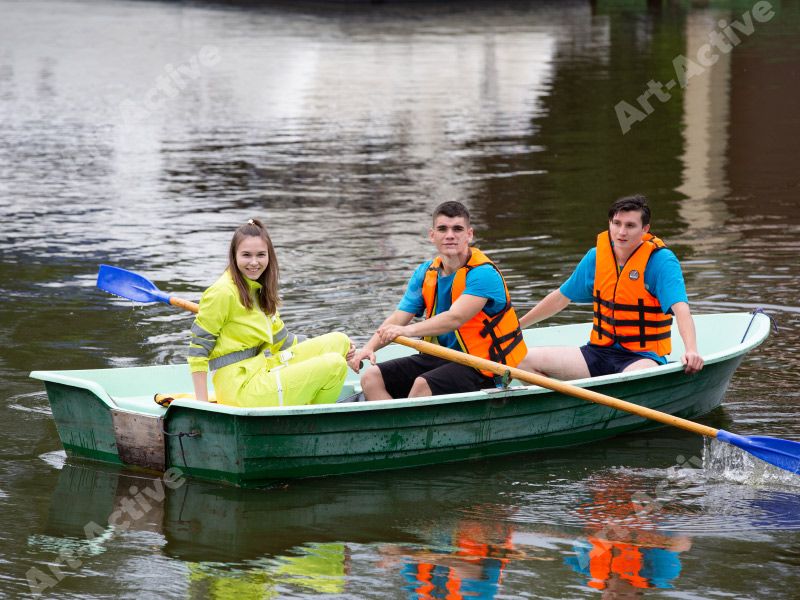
(251, 447)
(269, 448)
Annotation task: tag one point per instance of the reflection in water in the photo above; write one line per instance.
(316, 568)
(705, 122)
(623, 549)
(260, 536)
(470, 529)
(468, 561)
(257, 542)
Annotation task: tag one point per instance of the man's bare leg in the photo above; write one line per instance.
(420, 388)
(373, 386)
(560, 362)
(645, 363)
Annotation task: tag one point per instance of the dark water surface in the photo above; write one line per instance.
(141, 133)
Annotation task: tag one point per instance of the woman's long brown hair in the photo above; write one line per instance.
(268, 299)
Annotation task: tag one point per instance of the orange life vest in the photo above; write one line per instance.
(498, 337)
(624, 310)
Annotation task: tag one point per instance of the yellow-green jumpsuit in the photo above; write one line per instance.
(255, 360)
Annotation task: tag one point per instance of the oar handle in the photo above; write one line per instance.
(555, 385)
(184, 304)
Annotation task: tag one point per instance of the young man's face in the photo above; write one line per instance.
(451, 236)
(627, 230)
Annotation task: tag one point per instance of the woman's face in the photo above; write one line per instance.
(252, 257)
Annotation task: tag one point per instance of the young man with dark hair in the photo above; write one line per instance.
(635, 285)
(466, 306)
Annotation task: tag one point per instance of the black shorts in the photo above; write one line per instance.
(604, 360)
(443, 376)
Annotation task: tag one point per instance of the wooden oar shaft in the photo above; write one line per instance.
(555, 385)
(184, 304)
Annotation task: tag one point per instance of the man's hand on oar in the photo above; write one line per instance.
(356, 361)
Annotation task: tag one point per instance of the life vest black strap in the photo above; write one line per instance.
(498, 353)
(598, 316)
(650, 337)
(492, 322)
(503, 345)
(632, 307)
(504, 338)
(633, 322)
(641, 323)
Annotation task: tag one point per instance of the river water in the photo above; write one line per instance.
(140, 134)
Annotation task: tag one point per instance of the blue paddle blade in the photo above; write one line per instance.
(129, 285)
(784, 454)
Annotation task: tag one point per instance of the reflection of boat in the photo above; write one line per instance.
(109, 415)
(294, 536)
(206, 522)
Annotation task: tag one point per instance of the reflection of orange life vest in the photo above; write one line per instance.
(429, 589)
(624, 310)
(436, 582)
(497, 338)
(607, 558)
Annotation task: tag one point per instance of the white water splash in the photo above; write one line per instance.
(725, 462)
(55, 459)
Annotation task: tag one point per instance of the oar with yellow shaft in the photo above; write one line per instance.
(132, 286)
(781, 453)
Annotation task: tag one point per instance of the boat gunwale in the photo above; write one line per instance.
(76, 382)
(759, 330)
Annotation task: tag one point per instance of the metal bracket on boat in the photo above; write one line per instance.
(759, 310)
(502, 381)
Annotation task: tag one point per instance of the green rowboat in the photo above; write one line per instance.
(109, 415)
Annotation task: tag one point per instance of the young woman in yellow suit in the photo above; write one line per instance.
(239, 335)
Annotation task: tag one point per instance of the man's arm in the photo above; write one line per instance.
(578, 288)
(690, 358)
(397, 318)
(462, 310)
(550, 305)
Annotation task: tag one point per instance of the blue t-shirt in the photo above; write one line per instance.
(483, 281)
(663, 278)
